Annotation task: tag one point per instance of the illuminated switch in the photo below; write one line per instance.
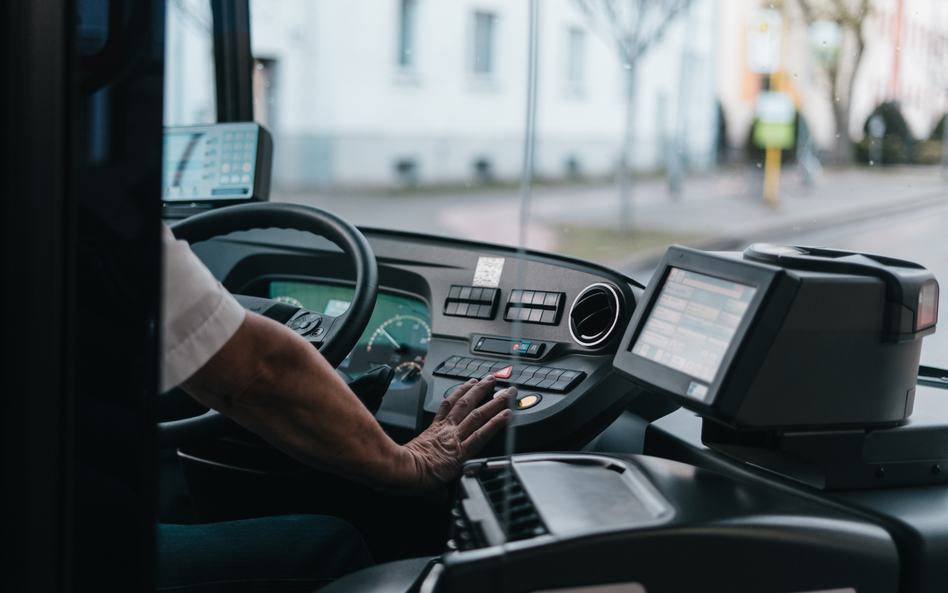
(504, 373)
(528, 401)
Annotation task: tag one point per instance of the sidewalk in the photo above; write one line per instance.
(716, 210)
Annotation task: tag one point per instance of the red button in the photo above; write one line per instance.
(504, 373)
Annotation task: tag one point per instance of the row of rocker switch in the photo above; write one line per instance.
(530, 306)
(534, 306)
(471, 301)
(526, 375)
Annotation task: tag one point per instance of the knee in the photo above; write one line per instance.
(336, 544)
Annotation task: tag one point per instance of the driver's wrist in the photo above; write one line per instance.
(403, 472)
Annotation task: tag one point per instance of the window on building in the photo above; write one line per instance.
(484, 23)
(576, 57)
(406, 33)
(406, 170)
(483, 170)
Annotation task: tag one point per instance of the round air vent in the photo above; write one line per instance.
(594, 314)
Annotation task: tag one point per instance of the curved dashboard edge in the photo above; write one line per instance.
(568, 260)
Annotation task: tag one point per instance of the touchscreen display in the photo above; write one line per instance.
(209, 162)
(693, 323)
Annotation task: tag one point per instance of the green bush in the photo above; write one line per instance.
(938, 134)
(928, 152)
(898, 143)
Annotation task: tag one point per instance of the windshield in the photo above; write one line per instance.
(707, 123)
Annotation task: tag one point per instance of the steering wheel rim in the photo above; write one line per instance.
(262, 215)
(348, 327)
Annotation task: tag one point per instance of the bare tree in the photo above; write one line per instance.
(632, 27)
(850, 16)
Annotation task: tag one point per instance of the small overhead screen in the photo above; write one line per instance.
(693, 323)
(227, 162)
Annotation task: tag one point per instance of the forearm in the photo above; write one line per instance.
(274, 383)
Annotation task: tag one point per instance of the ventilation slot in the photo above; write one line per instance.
(523, 521)
(595, 313)
(464, 535)
(486, 528)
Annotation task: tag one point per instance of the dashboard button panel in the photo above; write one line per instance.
(534, 306)
(540, 377)
(471, 301)
(526, 348)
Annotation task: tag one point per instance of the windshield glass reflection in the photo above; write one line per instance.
(708, 123)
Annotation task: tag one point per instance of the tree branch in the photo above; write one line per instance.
(631, 38)
(842, 16)
(660, 30)
(807, 11)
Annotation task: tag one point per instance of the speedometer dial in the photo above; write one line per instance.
(402, 343)
(406, 374)
(290, 300)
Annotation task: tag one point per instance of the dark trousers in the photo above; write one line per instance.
(274, 554)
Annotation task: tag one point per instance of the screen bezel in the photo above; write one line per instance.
(263, 159)
(739, 363)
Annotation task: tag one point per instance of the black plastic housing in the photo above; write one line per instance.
(635, 523)
(813, 350)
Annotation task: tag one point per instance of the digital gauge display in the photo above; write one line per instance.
(220, 162)
(397, 335)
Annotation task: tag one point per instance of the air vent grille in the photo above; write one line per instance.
(523, 521)
(594, 314)
(465, 535)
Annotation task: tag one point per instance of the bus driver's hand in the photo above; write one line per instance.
(459, 431)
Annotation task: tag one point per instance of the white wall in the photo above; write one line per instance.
(345, 112)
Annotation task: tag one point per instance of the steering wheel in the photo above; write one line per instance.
(340, 334)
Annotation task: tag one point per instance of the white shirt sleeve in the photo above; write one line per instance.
(199, 315)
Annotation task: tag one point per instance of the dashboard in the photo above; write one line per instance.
(553, 326)
(450, 310)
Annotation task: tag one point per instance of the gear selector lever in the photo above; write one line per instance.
(371, 387)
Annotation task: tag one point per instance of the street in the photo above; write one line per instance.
(918, 235)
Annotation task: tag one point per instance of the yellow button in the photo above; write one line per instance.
(528, 400)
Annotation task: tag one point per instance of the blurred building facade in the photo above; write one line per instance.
(378, 93)
(905, 59)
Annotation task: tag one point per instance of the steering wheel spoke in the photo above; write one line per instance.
(317, 328)
(326, 332)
